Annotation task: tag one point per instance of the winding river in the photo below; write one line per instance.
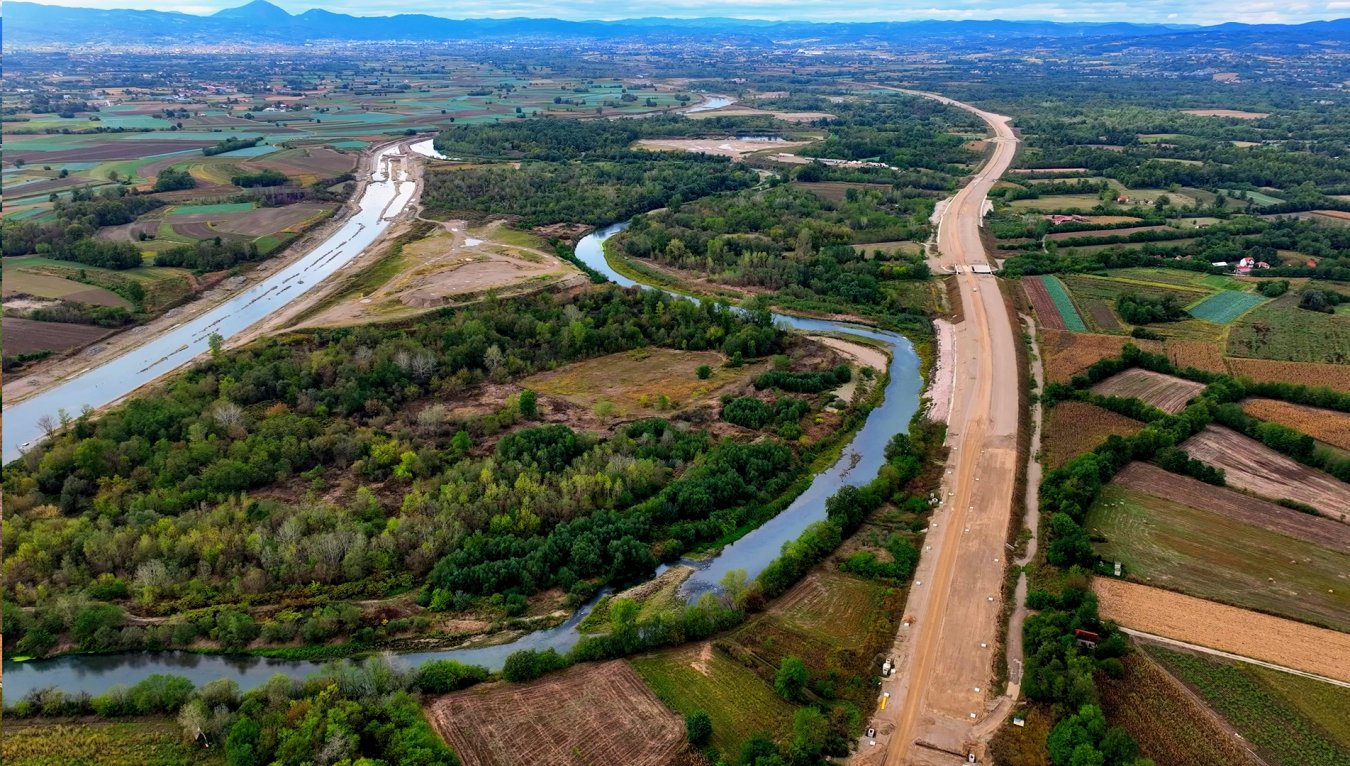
(858, 464)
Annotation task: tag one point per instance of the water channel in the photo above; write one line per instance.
(858, 463)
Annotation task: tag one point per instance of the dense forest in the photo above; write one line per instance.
(597, 193)
(153, 504)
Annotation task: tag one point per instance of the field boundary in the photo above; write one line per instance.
(1154, 638)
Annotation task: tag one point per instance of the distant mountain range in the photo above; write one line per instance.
(260, 21)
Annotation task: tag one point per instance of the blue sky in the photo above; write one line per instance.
(1165, 11)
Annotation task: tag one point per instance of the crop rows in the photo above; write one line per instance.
(1068, 313)
(1278, 730)
(1224, 307)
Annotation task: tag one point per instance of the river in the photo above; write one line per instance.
(858, 464)
(100, 385)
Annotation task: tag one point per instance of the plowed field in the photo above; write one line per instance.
(1226, 628)
(590, 714)
(1046, 313)
(1253, 466)
(1165, 392)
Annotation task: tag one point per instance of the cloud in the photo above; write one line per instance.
(1159, 11)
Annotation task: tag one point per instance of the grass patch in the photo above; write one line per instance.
(634, 381)
(1203, 554)
(739, 703)
(223, 207)
(1064, 304)
(1282, 331)
(136, 742)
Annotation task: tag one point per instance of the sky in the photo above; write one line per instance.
(1156, 11)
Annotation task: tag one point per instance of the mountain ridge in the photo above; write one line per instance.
(28, 23)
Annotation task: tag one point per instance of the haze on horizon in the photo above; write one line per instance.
(1203, 12)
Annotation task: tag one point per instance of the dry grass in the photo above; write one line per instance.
(1073, 428)
(1226, 628)
(1336, 376)
(633, 381)
(1069, 353)
(587, 714)
(1326, 426)
(1200, 354)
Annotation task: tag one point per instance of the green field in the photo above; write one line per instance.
(1178, 278)
(135, 742)
(739, 703)
(1058, 202)
(1281, 330)
(224, 207)
(1064, 304)
(1224, 307)
(1204, 554)
(1264, 715)
(1260, 198)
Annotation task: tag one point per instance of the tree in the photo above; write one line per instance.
(216, 344)
(698, 725)
(704, 372)
(529, 406)
(791, 678)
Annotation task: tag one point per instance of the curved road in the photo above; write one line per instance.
(940, 706)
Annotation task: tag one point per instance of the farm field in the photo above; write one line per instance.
(1226, 628)
(1058, 202)
(121, 742)
(1217, 557)
(591, 713)
(1178, 278)
(1234, 113)
(699, 677)
(1061, 304)
(1226, 306)
(1336, 376)
(24, 336)
(1280, 330)
(1069, 353)
(24, 276)
(1073, 428)
(631, 382)
(723, 147)
(1169, 724)
(1109, 289)
(1166, 392)
(1279, 730)
(1200, 354)
(832, 606)
(1251, 465)
(1327, 426)
(1062, 235)
(890, 248)
(1152, 480)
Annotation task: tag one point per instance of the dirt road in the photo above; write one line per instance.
(945, 648)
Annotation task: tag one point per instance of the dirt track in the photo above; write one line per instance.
(1226, 628)
(946, 644)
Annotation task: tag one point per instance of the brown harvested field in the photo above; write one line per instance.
(836, 191)
(1226, 628)
(22, 336)
(270, 220)
(110, 150)
(198, 230)
(1170, 724)
(1236, 113)
(1165, 392)
(1104, 232)
(1150, 479)
(129, 232)
(1101, 314)
(1046, 313)
(1335, 376)
(721, 147)
(311, 161)
(1073, 428)
(1200, 354)
(1251, 465)
(1326, 426)
(588, 714)
(740, 111)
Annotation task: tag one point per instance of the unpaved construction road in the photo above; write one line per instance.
(940, 707)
